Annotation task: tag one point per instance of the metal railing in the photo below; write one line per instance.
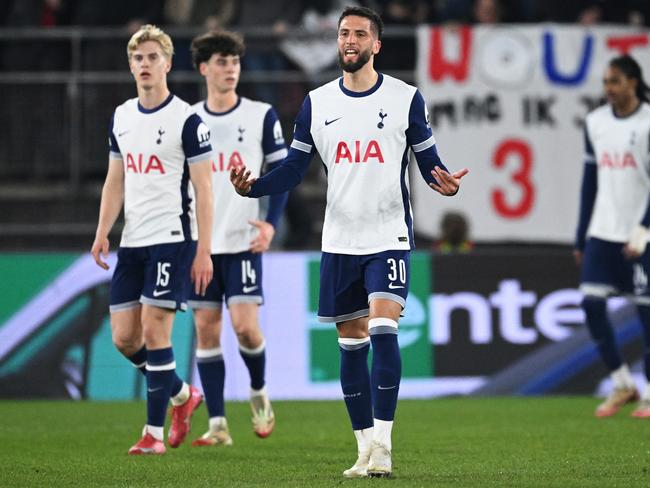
(55, 120)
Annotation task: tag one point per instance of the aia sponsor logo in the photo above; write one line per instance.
(359, 152)
(617, 160)
(235, 161)
(140, 164)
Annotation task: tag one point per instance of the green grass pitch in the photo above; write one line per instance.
(518, 442)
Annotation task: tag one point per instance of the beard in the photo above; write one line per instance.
(354, 66)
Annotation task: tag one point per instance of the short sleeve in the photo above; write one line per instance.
(113, 147)
(273, 144)
(196, 139)
(419, 134)
(302, 138)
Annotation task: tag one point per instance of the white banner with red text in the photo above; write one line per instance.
(508, 102)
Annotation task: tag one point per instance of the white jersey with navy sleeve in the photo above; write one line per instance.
(156, 147)
(364, 140)
(620, 147)
(249, 134)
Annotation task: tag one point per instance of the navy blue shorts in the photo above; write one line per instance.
(156, 275)
(606, 271)
(348, 283)
(237, 277)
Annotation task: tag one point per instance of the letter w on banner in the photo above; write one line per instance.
(508, 102)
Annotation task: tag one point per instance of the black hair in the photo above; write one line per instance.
(216, 42)
(376, 24)
(631, 69)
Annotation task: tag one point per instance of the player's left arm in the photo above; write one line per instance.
(275, 150)
(197, 148)
(420, 138)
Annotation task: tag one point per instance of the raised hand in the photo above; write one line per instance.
(240, 180)
(448, 184)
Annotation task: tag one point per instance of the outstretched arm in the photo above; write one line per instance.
(420, 137)
(290, 172)
(282, 179)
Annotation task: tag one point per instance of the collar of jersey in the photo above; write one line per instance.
(350, 93)
(217, 114)
(155, 109)
(628, 115)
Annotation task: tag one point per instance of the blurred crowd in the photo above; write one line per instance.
(281, 15)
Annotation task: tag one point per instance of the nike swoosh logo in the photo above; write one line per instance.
(122, 133)
(387, 387)
(157, 293)
(328, 122)
(152, 390)
(248, 289)
(394, 287)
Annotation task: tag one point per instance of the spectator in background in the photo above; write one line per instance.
(263, 54)
(399, 54)
(454, 234)
(487, 12)
(41, 55)
(590, 12)
(207, 14)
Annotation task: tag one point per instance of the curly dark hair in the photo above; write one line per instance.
(216, 42)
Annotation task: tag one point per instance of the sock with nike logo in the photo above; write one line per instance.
(161, 370)
(139, 360)
(255, 360)
(355, 381)
(212, 371)
(386, 370)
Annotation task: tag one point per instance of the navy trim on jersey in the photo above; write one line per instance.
(271, 144)
(405, 197)
(350, 93)
(185, 202)
(195, 145)
(113, 146)
(419, 131)
(302, 127)
(623, 117)
(645, 221)
(589, 147)
(219, 114)
(155, 109)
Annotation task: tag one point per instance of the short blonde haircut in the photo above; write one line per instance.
(149, 32)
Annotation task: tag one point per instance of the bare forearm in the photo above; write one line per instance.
(110, 207)
(204, 217)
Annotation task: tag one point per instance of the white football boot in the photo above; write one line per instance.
(380, 463)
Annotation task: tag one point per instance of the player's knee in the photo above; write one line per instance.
(127, 343)
(248, 336)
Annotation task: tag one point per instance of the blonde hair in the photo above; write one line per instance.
(149, 32)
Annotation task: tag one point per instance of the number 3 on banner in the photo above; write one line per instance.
(520, 177)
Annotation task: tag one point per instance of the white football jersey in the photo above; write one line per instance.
(249, 134)
(156, 147)
(620, 148)
(363, 140)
